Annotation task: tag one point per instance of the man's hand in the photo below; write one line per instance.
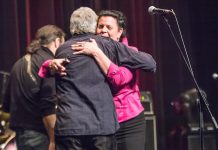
(58, 66)
(51, 146)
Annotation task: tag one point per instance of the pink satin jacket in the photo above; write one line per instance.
(126, 91)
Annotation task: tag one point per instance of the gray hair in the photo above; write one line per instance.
(83, 20)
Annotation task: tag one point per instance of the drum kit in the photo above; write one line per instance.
(7, 136)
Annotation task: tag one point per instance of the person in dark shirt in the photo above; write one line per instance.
(124, 82)
(23, 98)
(86, 116)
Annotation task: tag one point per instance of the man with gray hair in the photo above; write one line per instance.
(86, 116)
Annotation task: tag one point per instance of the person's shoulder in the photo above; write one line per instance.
(103, 39)
(126, 42)
(66, 43)
(65, 46)
(39, 56)
(19, 62)
(134, 48)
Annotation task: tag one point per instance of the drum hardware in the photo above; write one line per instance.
(7, 137)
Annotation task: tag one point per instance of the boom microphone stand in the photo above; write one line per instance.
(203, 100)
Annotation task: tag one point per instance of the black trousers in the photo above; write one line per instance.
(131, 135)
(86, 142)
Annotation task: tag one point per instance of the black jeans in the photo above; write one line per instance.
(131, 135)
(86, 142)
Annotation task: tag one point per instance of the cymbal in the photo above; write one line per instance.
(4, 116)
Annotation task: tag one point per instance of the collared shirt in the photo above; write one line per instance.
(24, 91)
(126, 91)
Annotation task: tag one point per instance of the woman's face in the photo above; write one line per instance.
(108, 27)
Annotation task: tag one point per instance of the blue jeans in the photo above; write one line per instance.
(31, 140)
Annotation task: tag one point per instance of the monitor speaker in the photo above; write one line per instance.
(150, 132)
(146, 100)
(209, 142)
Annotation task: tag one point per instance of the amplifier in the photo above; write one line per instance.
(146, 100)
(150, 132)
(209, 141)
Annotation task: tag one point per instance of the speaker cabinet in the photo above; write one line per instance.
(150, 132)
(209, 141)
(146, 100)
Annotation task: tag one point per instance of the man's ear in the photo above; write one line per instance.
(57, 42)
(120, 32)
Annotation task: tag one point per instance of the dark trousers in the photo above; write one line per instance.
(87, 142)
(131, 135)
(31, 140)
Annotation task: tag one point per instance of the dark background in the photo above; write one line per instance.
(198, 20)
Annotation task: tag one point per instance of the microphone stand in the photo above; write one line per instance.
(200, 92)
(4, 80)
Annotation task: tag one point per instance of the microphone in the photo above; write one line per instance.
(153, 10)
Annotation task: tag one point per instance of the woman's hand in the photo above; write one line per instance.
(92, 49)
(87, 48)
(57, 66)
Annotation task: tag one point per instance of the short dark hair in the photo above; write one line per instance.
(119, 16)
